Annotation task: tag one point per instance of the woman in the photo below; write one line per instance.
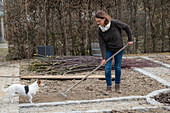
(110, 41)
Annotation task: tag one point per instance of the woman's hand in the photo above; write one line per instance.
(130, 43)
(103, 62)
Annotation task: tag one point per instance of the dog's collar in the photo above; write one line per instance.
(26, 89)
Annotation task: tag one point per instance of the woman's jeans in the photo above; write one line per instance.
(117, 67)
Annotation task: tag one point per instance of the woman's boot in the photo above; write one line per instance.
(117, 88)
(108, 90)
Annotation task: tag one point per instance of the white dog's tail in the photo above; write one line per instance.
(4, 90)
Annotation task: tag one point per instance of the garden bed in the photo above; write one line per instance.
(163, 98)
(132, 83)
(157, 110)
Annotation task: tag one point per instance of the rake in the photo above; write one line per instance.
(64, 94)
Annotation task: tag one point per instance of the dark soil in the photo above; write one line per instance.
(158, 110)
(163, 98)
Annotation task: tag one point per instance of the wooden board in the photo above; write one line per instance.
(60, 77)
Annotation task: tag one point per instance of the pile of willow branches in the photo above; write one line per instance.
(76, 64)
(64, 64)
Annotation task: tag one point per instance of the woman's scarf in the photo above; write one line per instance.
(106, 27)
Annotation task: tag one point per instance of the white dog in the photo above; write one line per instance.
(25, 90)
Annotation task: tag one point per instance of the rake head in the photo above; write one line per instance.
(63, 94)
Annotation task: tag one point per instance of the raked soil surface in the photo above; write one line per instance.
(132, 83)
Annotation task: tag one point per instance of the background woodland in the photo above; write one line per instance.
(69, 25)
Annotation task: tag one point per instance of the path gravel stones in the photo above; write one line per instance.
(5, 105)
(161, 72)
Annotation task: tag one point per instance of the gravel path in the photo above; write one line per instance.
(161, 72)
(162, 58)
(117, 104)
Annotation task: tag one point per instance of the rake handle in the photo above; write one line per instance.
(95, 69)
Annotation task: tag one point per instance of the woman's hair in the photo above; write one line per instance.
(103, 15)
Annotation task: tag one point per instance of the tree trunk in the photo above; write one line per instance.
(163, 25)
(86, 29)
(64, 28)
(152, 27)
(135, 24)
(145, 28)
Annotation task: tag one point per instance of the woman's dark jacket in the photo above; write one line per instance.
(112, 38)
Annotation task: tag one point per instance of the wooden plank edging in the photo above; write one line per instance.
(59, 77)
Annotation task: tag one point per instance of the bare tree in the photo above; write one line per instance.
(69, 25)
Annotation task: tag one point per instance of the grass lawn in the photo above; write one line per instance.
(3, 54)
